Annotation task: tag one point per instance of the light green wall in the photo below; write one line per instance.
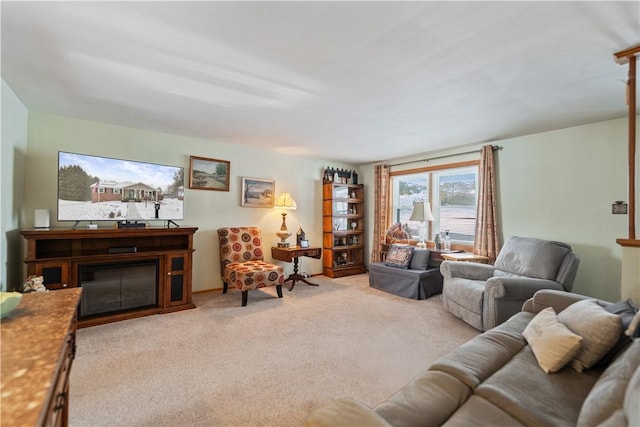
(12, 158)
(556, 185)
(560, 186)
(207, 210)
(563, 187)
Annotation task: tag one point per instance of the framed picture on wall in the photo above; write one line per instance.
(258, 192)
(209, 174)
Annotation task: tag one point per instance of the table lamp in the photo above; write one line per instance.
(421, 213)
(285, 201)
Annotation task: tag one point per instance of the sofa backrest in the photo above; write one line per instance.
(542, 259)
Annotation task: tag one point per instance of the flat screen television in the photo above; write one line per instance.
(94, 188)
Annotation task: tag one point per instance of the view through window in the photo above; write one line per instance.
(452, 193)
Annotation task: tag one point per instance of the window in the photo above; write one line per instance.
(452, 193)
(406, 189)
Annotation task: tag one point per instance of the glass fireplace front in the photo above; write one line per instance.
(110, 288)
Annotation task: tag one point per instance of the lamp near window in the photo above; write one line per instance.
(421, 212)
(285, 201)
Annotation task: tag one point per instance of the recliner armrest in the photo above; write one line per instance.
(466, 270)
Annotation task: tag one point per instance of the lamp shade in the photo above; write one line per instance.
(421, 212)
(285, 201)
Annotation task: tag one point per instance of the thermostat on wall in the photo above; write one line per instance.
(619, 207)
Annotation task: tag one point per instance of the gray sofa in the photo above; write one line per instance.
(495, 380)
(486, 295)
(419, 280)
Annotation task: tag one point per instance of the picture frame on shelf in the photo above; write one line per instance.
(209, 174)
(304, 243)
(258, 192)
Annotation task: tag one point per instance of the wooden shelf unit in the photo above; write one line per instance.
(343, 244)
(58, 254)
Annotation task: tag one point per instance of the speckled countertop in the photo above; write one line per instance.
(33, 337)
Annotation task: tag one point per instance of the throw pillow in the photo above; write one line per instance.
(626, 310)
(553, 344)
(399, 256)
(420, 259)
(599, 330)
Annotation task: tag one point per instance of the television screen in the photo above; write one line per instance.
(94, 188)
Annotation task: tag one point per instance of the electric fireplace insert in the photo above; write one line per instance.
(117, 287)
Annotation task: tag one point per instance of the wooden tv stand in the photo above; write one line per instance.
(58, 254)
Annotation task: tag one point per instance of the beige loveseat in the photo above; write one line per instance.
(495, 380)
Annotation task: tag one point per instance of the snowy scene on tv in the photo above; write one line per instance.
(92, 188)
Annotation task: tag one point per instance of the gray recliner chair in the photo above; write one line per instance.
(487, 295)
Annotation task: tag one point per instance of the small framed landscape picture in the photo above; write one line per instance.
(209, 174)
(258, 192)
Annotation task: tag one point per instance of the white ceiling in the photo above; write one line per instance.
(351, 81)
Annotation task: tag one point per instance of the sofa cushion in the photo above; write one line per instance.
(598, 328)
(534, 398)
(346, 412)
(428, 400)
(478, 359)
(553, 344)
(399, 256)
(608, 394)
(617, 419)
(500, 273)
(420, 259)
(492, 416)
(631, 399)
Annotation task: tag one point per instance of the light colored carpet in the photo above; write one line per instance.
(267, 364)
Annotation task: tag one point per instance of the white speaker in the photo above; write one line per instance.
(41, 218)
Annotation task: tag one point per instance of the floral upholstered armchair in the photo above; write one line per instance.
(242, 262)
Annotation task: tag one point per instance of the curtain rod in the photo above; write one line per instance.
(493, 147)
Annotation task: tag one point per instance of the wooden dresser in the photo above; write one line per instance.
(38, 347)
